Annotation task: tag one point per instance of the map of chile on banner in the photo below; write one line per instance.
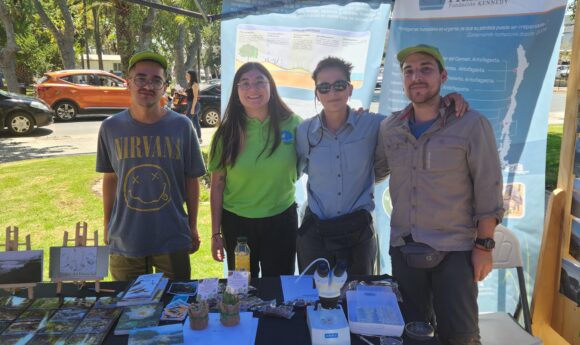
(290, 37)
(500, 57)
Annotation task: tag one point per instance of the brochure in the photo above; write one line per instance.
(139, 316)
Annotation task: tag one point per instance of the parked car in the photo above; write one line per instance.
(210, 99)
(563, 71)
(74, 92)
(21, 114)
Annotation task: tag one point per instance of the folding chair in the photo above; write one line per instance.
(501, 328)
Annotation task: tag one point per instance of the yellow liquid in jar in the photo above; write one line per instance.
(242, 263)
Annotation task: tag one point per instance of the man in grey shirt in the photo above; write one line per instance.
(446, 188)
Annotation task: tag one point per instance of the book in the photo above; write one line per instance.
(143, 287)
(139, 316)
(154, 298)
(183, 288)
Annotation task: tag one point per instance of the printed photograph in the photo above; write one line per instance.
(106, 302)
(58, 327)
(94, 326)
(9, 314)
(570, 280)
(575, 239)
(49, 339)
(185, 288)
(15, 339)
(20, 267)
(72, 263)
(4, 325)
(76, 302)
(36, 314)
(22, 327)
(68, 314)
(85, 339)
(46, 303)
(162, 335)
(14, 302)
(514, 196)
(103, 313)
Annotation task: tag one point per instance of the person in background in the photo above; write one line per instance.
(253, 170)
(336, 150)
(193, 105)
(151, 161)
(446, 188)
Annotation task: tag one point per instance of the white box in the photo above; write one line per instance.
(374, 312)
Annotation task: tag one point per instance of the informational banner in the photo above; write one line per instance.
(500, 57)
(290, 37)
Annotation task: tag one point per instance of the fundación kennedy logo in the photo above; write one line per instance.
(426, 5)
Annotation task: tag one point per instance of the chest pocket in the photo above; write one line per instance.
(445, 153)
(359, 154)
(397, 149)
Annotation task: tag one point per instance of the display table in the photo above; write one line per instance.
(270, 330)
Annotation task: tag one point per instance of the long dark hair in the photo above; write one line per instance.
(192, 78)
(232, 131)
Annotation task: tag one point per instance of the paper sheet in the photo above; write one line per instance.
(303, 289)
(216, 333)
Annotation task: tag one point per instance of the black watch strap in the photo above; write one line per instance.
(487, 243)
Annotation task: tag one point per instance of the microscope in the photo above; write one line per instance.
(326, 320)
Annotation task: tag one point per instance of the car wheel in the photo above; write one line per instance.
(65, 111)
(20, 123)
(210, 117)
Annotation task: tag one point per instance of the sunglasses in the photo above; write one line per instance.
(339, 85)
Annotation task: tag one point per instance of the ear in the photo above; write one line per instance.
(350, 88)
(443, 76)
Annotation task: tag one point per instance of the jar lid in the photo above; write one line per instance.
(419, 330)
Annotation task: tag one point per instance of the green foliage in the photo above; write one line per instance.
(553, 155)
(229, 298)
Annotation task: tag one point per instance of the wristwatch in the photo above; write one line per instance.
(486, 243)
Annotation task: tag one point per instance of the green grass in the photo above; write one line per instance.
(553, 155)
(45, 197)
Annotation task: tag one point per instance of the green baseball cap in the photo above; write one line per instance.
(420, 48)
(150, 56)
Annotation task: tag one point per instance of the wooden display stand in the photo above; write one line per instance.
(80, 240)
(12, 244)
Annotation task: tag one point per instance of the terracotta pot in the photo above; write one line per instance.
(198, 318)
(229, 314)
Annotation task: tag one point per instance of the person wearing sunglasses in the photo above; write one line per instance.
(336, 150)
(253, 170)
(151, 161)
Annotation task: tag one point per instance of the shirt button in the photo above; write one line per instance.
(339, 193)
(338, 175)
(338, 212)
(414, 168)
(415, 147)
(413, 207)
(337, 157)
(335, 138)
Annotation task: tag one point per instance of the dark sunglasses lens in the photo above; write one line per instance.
(340, 85)
(323, 87)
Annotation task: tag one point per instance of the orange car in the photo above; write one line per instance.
(74, 92)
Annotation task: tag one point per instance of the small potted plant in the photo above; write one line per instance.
(198, 318)
(229, 309)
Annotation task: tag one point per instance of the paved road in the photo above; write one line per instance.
(80, 136)
(60, 139)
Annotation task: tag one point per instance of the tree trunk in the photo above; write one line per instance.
(179, 49)
(192, 61)
(146, 36)
(86, 45)
(64, 39)
(125, 37)
(98, 37)
(8, 52)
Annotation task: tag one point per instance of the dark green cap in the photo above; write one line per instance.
(420, 48)
(150, 56)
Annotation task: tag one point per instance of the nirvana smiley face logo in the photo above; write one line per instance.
(146, 188)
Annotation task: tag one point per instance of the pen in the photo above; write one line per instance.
(365, 340)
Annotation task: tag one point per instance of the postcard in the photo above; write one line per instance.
(162, 335)
(570, 280)
(238, 281)
(75, 263)
(68, 314)
(20, 267)
(15, 339)
(58, 327)
(106, 302)
(176, 310)
(9, 314)
(94, 326)
(14, 302)
(207, 289)
(35, 314)
(22, 327)
(183, 288)
(49, 339)
(76, 302)
(104, 313)
(139, 316)
(46, 303)
(86, 339)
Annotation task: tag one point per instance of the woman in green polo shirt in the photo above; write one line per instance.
(253, 170)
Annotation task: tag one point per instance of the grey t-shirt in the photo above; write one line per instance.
(151, 162)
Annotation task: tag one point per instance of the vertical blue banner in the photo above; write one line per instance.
(500, 57)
